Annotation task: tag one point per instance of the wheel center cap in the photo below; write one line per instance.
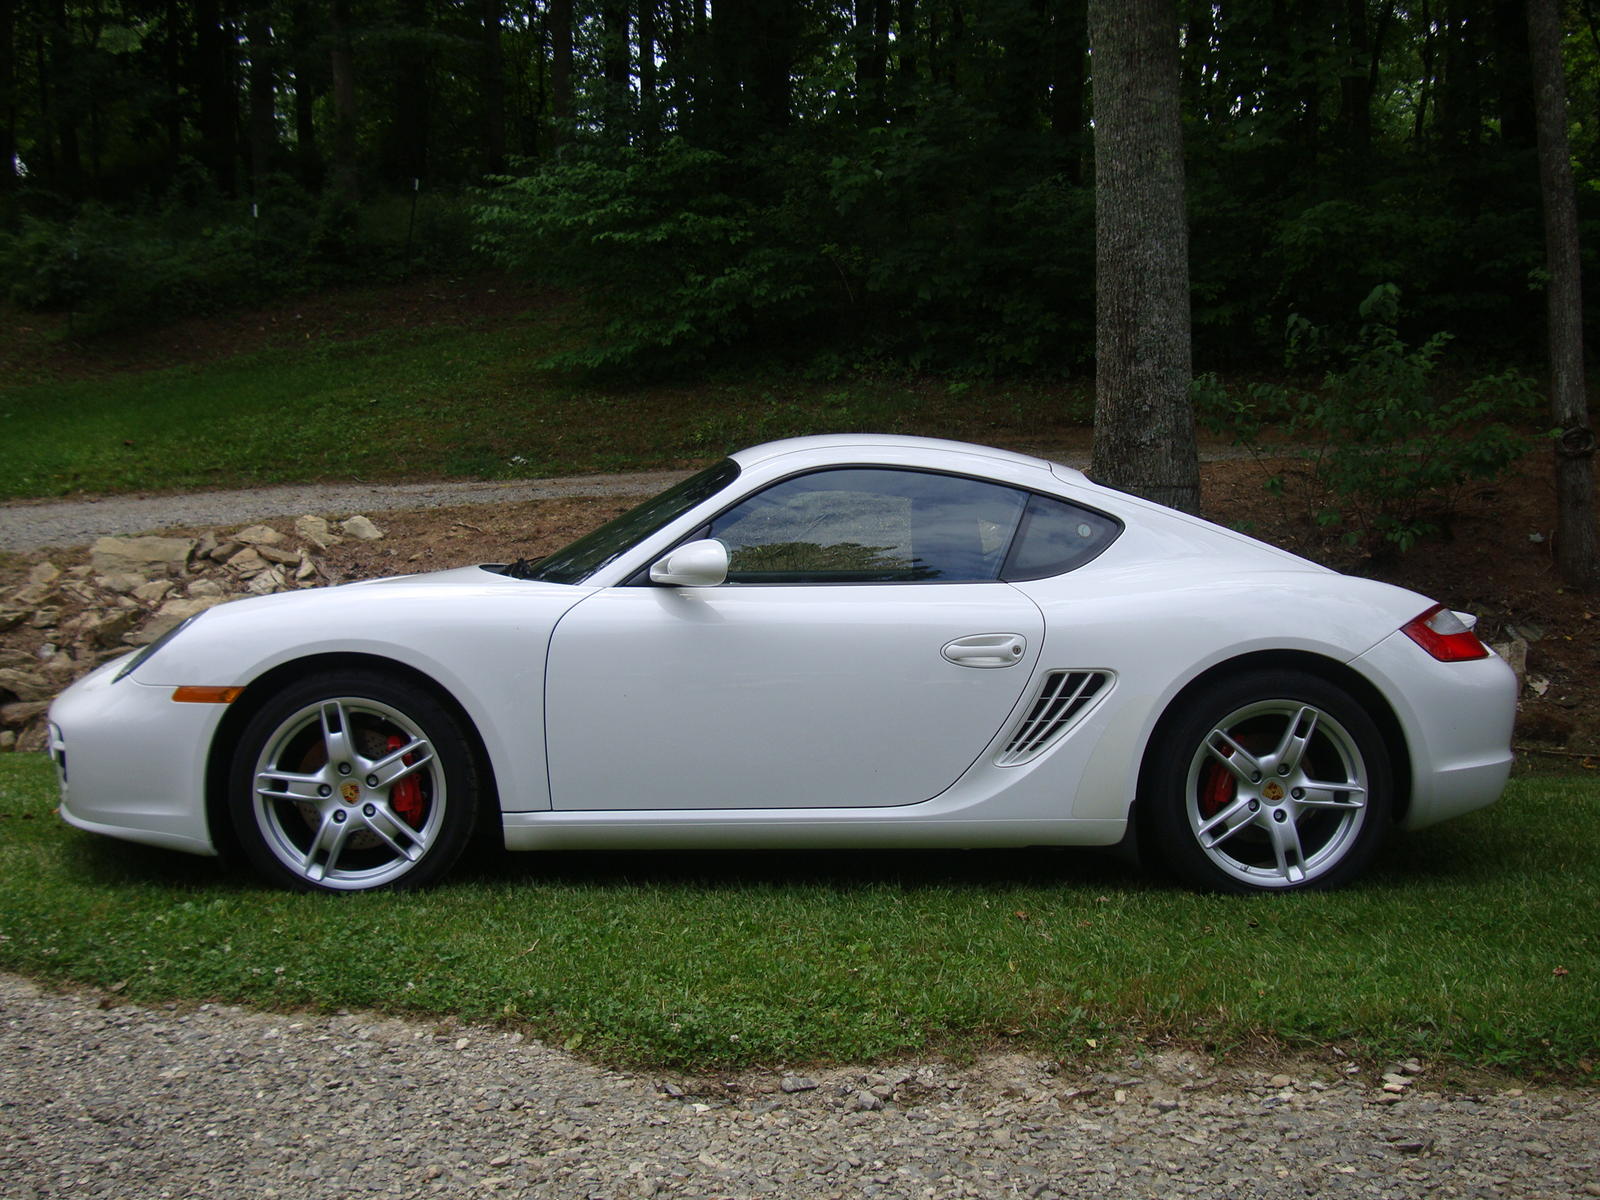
(1272, 793)
(351, 792)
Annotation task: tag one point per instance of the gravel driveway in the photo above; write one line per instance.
(32, 526)
(99, 1098)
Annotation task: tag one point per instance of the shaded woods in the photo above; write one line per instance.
(902, 181)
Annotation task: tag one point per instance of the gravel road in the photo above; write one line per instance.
(33, 526)
(99, 1098)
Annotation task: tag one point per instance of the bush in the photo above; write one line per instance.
(936, 243)
(1385, 447)
(671, 246)
(200, 253)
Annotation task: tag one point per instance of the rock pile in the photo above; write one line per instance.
(130, 592)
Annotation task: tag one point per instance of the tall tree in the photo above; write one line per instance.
(211, 78)
(492, 82)
(263, 94)
(561, 110)
(8, 96)
(309, 81)
(403, 151)
(341, 65)
(1577, 554)
(1144, 439)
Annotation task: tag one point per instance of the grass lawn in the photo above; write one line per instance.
(1476, 943)
(450, 401)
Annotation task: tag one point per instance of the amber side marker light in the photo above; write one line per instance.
(207, 695)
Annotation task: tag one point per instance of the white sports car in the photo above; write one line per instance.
(837, 641)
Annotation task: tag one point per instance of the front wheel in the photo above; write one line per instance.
(1269, 781)
(352, 781)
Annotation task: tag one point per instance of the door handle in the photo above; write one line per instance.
(986, 650)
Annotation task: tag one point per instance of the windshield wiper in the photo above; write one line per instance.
(523, 568)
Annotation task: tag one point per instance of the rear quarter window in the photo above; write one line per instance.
(1056, 537)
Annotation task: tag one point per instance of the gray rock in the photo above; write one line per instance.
(247, 563)
(361, 528)
(14, 716)
(169, 616)
(314, 530)
(25, 685)
(259, 535)
(138, 554)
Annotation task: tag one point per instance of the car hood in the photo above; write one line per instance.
(412, 618)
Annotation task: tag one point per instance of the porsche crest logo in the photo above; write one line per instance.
(1272, 791)
(352, 792)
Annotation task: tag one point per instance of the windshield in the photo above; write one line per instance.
(576, 562)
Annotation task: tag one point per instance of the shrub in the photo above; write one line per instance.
(201, 253)
(1385, 447)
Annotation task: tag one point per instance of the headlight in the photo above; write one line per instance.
(144, 656)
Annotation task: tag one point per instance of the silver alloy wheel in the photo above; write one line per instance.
(1277, 793)
(348, 793)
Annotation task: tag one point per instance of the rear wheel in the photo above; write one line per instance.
(1270, 781)
(352, 781)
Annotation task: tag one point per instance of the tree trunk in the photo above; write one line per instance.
(263, 97)
(1513, 73)
(213, 92)
(1577, 555)
(560, 71)
(404, 149)
(649, 118)
(776, 33)
(493, 81)
(617, 63)
(307, 84)
(872, 59)
(341, 63)
(1356, 78)
(69, 162)
(1144, 439)
(8, 97)
(1068, 36)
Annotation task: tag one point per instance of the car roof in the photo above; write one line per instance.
(841, 443)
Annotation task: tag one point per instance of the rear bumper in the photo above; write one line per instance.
(1457, 720)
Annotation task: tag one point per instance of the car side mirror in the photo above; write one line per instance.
(693, 564)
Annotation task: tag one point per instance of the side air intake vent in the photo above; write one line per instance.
(1064, 697)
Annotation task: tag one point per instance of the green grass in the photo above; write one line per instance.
(1451, 949)
(451, 401)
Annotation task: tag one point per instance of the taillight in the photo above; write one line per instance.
(1444, 635)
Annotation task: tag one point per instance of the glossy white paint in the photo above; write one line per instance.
(776, 697)
(624, 714)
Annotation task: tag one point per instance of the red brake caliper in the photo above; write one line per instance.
(1217, 788)
(405, 797)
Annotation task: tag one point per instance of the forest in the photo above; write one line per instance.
(897, 183)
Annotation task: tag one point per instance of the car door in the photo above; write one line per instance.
(861, 654)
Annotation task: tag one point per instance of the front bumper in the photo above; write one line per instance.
(131, 762)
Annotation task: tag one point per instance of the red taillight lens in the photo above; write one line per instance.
(1443, 634)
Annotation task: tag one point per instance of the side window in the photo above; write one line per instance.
(871, 525)
(1057, 537)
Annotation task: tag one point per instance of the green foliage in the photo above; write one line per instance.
(1385, 445)
(714, 959)
(197, 253)
(667, 243)
(933, 245)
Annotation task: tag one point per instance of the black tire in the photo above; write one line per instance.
(1268, 781)
(353, 781)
